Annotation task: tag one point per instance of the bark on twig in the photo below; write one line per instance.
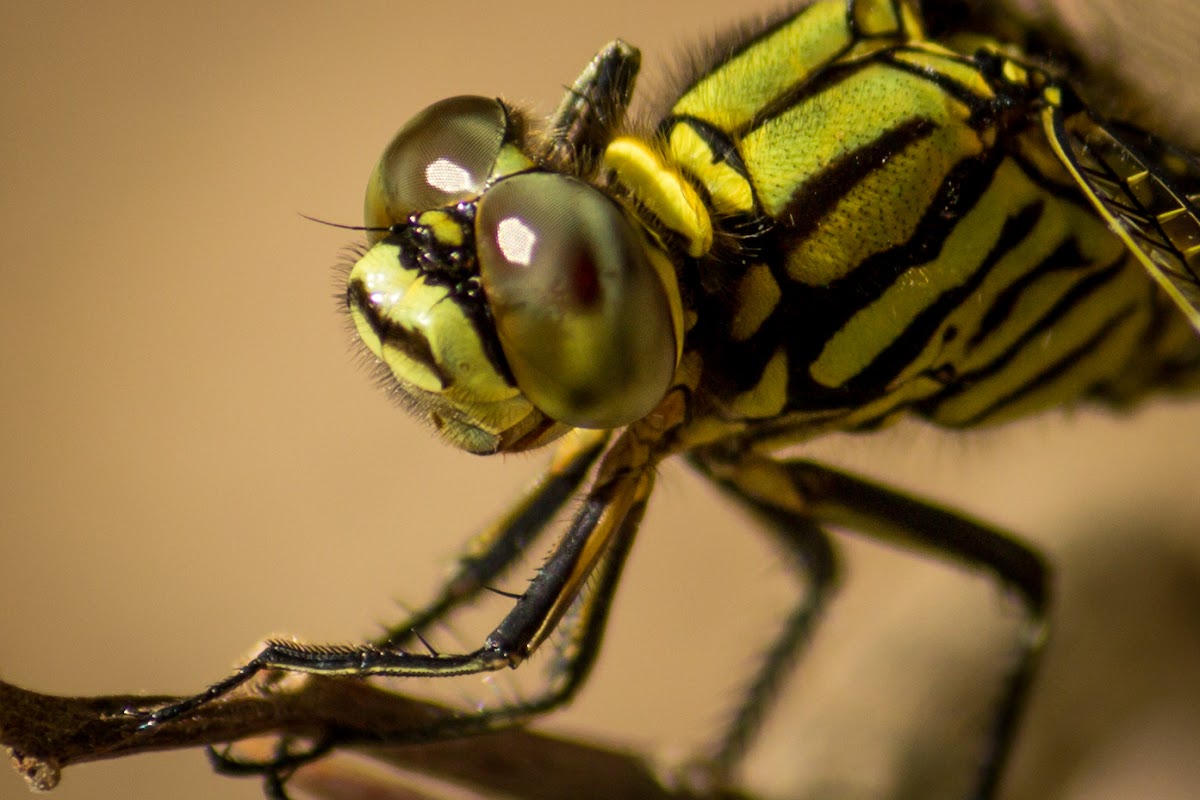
(45, 733)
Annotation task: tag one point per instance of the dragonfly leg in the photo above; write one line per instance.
(490, 554)
(810, 492)
(607, 517)
(813, 556)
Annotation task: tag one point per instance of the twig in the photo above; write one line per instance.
(45, 733)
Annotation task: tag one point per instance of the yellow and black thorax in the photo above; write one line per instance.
(837, 222)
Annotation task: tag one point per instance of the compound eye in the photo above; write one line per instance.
(442, 156)
(581, 314)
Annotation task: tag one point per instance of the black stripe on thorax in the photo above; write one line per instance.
(729, 46)
(916, 337)
(1056, 370)
(833, 305)
(820, 194)
(983, 109)
(723, 148)
(1065, 258)
(824, 79)
(1077, 294)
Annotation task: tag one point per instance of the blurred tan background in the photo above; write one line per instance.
(191, 459)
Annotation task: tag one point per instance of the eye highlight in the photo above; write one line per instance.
(442, 156)
(580, 311)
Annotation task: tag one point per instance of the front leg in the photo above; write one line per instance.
(597, 539)
(492, 553)
(526, 626)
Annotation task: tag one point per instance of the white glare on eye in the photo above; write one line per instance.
(445, 175)
(516, 240)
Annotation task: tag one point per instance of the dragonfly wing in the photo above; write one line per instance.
(1146, 189)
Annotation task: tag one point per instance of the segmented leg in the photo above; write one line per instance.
(490, 554)
(274, 771)
(807, 492)
(814, 558)
(601, 520)
(584, 625)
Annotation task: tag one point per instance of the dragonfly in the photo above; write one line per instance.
(758, 269)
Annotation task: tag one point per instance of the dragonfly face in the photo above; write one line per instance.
(508, 302)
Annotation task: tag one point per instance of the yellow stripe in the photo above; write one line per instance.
(1033, 301)
(1098, 365)
(869, 332)
(789, 149)
(757, 295)
(1058, 220)
(661, 190)
(768, 398)
(881, 211)
(1055, 225)
(948, 64)
(729, 191)
(876, 18)
(1069, 332)
(730, 96)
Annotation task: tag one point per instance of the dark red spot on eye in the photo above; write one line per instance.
(585, 281)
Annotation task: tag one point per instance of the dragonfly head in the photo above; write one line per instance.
(508, 303)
